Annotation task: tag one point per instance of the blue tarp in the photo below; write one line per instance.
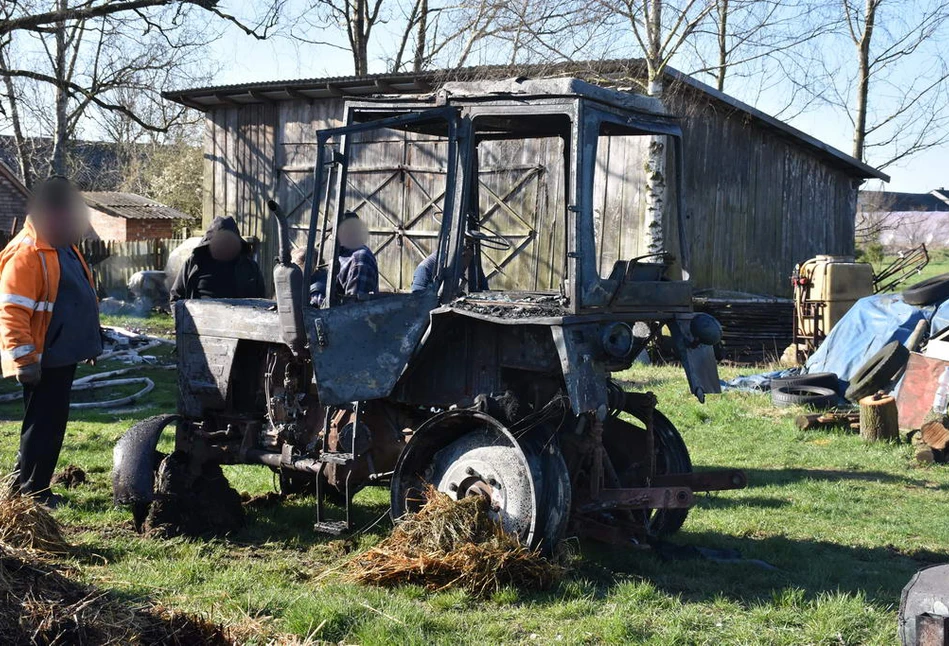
(940, 320)
(870, 324)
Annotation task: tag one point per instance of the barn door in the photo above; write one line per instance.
(514, 182)
(396, 184)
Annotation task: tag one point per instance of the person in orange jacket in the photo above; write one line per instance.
(49, 322)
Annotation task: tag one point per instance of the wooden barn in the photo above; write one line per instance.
(760, 196)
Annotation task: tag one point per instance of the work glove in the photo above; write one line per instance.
(30, 374)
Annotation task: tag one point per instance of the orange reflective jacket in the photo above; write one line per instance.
(29, 282)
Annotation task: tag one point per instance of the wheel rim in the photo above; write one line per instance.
(469, 453)
(482, 463)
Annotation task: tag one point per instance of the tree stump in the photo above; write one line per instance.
(879, 419)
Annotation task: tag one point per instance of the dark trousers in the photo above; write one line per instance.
(46, 411)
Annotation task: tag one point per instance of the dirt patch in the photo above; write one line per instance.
(203, 506)
(452, 543)
(71, 476)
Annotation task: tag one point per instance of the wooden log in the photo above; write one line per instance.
(879, 419)
(935, 434)
(817, 420)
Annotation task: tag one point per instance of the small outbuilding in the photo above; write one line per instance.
(127, 217)
(13, 198)
(760, 195)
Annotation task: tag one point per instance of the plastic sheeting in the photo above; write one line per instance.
(940, 320)
(870, 324)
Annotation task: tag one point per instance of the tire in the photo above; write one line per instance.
(803, 395)
(672, 456)
(932, 290)
(878, 372)
(821, 379)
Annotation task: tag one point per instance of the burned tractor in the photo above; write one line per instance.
(504, 393)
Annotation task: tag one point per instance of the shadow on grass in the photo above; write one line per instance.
(771, 477)
(816, 567)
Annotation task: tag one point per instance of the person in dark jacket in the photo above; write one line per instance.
(221, 266)
(425, 271)
(49, 322)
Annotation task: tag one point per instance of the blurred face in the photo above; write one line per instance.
(62, 223)
(352, 233)
(224, 245)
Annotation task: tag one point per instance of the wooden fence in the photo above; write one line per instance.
(113, 263)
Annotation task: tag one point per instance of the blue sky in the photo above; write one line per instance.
(243, 60)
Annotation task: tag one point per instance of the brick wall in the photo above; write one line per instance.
(149, 229)
(106, 227)
(12, 205)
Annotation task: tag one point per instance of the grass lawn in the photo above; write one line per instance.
(844, 523)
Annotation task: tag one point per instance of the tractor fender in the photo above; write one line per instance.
(134, 460)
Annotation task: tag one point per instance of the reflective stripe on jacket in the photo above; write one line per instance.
(29, 282)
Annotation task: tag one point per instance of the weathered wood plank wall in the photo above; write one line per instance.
(756, 201)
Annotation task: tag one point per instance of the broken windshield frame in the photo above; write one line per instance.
(446, 115)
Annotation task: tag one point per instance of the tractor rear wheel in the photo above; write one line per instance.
(671, 456)
(469, 453)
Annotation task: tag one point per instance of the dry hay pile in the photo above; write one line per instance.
(452, 543)
(41, 603)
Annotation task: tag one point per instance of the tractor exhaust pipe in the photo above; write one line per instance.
(288, 287)
(283, 233)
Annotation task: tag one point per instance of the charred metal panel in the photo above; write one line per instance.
(585, 375)
(204, 370)
(698, 361)
(208, 332)
(670, 295)
(248, 319)
(360, 349)
(490, 350)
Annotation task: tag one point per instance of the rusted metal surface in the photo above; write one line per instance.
(915, 398)
(932, 630)
(704, 480)
(643, 498)
(924, 607)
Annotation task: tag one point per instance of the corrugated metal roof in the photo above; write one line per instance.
(131, 206)
(608, 73)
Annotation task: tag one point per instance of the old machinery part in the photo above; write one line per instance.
(624, 447)
(288, 287)
(816, 397)
(705, 330)
(822, 379)
(617, 339)
(290, 409)
(907, 264)
(135, 459)
(470, 453)
(928, 292)
(878, 372)
(924, 607)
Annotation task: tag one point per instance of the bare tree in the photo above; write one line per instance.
(659, 28)
(748, 37)
(357, 18)
(895, 93)
(61, 61)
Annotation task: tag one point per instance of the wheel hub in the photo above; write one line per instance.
(477, 464)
